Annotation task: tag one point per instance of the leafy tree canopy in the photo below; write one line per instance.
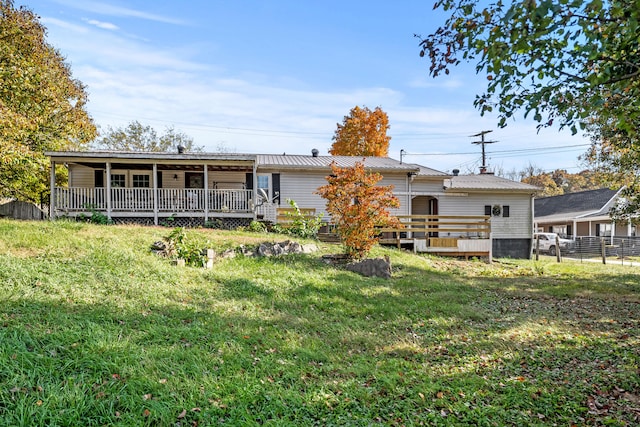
(138, 137)
(362, 133)
(559, 60)
(42, 107)
(560, 181)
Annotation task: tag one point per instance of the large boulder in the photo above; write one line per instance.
(372, 267)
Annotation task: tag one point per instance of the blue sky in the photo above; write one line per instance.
(277, 76)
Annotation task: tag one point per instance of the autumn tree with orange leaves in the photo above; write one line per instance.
(362, 133)
(357, 205)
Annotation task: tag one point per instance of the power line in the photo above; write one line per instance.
(522, 150)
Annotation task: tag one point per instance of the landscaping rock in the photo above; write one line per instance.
(229, 253)
(283, 248)
(372, 267)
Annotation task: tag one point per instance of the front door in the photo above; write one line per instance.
(195, 199)
(194, 180)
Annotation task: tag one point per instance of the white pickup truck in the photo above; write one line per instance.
(548, 243)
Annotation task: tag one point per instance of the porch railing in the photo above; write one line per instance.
(79, 199)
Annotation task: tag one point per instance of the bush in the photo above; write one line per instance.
(300, 225)
(96, 217)
(183, 246)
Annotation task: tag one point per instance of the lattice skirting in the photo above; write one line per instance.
(188, 222)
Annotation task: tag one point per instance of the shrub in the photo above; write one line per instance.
(300, 224)
(183, 246)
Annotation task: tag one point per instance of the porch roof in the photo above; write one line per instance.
(147, 156)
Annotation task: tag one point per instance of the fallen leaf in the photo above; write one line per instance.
(421, 396)
(146, 396)
(182, 414)
(146, 413)
(196, 409)
(439, 395)
(163, 381)
(117, 414)
(39, 403)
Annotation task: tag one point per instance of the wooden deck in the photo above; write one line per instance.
(449, 235)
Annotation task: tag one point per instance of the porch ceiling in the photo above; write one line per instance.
(189, 168)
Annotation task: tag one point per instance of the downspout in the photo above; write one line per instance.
(534, 225)
(408, 195)
(52, 184)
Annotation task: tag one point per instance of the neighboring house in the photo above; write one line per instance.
(193, 188)
(584, 213)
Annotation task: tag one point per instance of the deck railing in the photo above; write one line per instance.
(440, 230)
(80, 199)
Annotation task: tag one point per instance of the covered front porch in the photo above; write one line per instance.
(153, 188)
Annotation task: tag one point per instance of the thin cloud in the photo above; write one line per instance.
(103, 25)
(422, 83)
(112, 10)
(48, 22)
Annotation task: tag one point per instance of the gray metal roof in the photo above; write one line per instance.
(293, 161)
(486, 182)
(148, 155)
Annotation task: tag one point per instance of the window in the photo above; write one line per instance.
(487, 210)
(603, 229)
(118, 180)
(505, 211)
(264, 184)
(141, 181)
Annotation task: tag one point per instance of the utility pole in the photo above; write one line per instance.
(483, 168)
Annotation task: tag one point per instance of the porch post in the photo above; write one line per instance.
(206, 193)
(155, 193)
(408, 195)
(613, 230)
(52, 184)
(255, 187)
(108, 195)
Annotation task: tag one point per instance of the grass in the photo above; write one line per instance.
(96, 330)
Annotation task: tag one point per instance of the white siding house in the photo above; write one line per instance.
(193, 188)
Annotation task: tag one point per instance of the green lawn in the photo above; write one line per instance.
(96, 330)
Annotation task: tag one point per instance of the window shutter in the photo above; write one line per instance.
(597, 229)
(98, 176)
(275, 183)
(487, 210)
(505, 211)
(249, 181)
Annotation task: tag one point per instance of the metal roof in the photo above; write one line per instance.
(486, 182)
(293, 161)
(149, 155)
